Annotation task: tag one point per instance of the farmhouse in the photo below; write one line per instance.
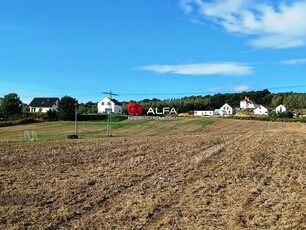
(280, 109)
(261, 110)
(204, 113)
(226, 109)
(107, 105)
(44, 104)
(246, 103)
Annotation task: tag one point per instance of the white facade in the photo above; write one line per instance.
(204, 113)
(43, 105)
(44, 109)
(105, 105)
(226, 109)
(261, 110)
(280, 109)
(243, 104)
(246, 103)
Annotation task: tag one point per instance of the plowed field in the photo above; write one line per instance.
(230, 175)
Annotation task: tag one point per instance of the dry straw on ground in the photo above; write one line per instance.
(232, 175)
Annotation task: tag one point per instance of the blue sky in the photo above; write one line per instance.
(144, 49)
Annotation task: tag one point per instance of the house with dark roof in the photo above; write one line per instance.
(44, 104)
(107, 105)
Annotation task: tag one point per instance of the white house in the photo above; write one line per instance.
(280, 109)
(204, 113)
(246, 103)
(109, 105)
(261, 110)
(44, 104)
(226, 109)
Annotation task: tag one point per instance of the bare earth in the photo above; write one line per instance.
(230, 175)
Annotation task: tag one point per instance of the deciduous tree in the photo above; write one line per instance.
(11, 105)
(66, 108)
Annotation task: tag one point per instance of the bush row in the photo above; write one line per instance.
(18, 122)
(266, 118)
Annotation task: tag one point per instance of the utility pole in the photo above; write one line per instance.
(110, 95)
(76, 119)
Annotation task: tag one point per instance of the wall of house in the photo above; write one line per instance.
(280, 109)
(243, 105)
(118, 109)
(103, 106)
(204, 113)
(226, 110)
(42, 110)
(261, 111)
(251, 106)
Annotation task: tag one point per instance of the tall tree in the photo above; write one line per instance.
(66, 108)
(11, 105)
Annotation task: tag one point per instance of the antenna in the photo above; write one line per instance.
(110, 95)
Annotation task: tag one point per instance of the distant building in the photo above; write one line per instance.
(44, 104)
(204, 113)
(226, 109)
(217, 112)
(261, 110)
(246, 103)
(280, 109)
(107, 105)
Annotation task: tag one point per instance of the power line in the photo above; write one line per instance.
(109, 117)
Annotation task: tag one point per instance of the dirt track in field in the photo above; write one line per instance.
(231, 175)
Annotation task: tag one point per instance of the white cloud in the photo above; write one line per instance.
(294, 61)
(224, 68)
(184, 4)
(281, 25)
(240, 88)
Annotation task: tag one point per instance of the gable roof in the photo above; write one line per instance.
(247, 99)
(276, 107)
(228, 105)
(43, 102)
(113, 100)
(261, 107)
(116, 102)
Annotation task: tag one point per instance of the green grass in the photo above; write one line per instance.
(97, 129)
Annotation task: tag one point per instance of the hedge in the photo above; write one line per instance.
(18, 122)
(266, 118)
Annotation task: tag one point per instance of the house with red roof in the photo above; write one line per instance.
(246, 103)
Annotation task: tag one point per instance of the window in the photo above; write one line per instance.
(102, 103)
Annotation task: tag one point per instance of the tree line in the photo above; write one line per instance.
(210, 102)
(11, 106)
